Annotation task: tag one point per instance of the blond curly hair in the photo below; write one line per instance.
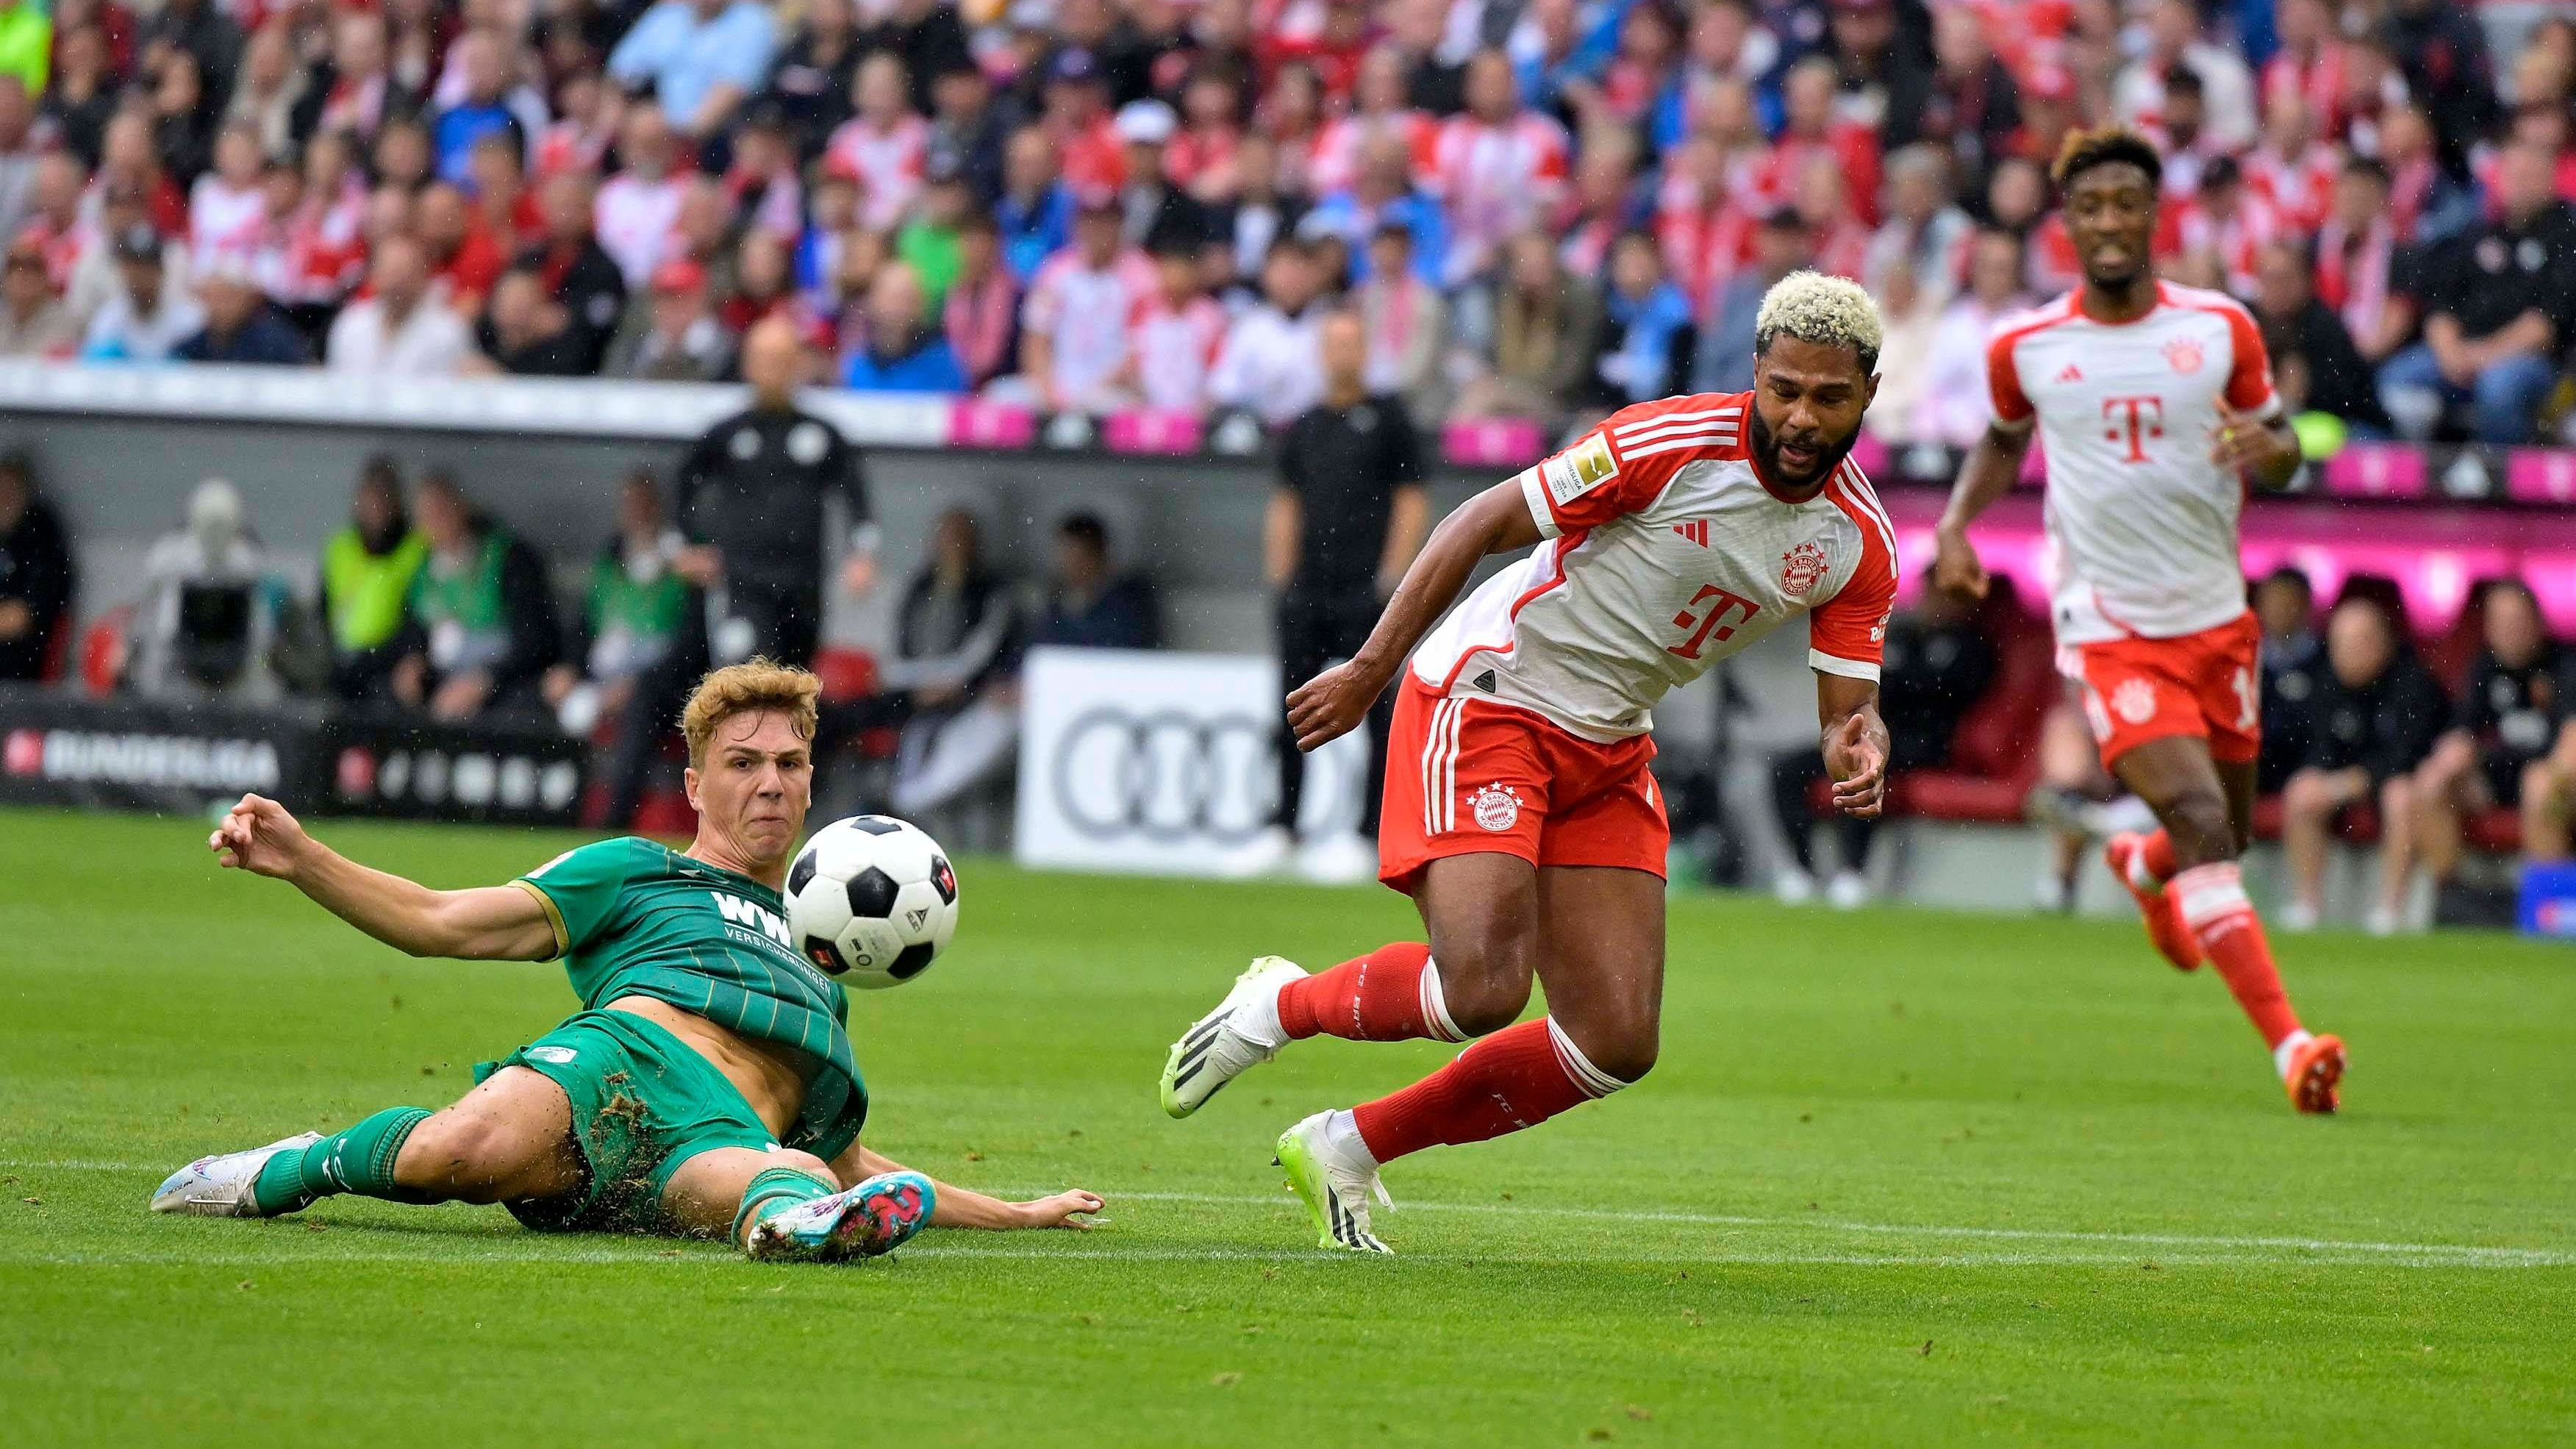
(755, 686)
(1827, 311)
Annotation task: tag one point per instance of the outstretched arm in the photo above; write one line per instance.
(957, 1207)
(1334, 702)
(1855, 742)
(488, 923)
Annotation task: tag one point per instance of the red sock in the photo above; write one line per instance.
(1390, 994)
(1518, 1077)
(2156, 855)
(2213, 904)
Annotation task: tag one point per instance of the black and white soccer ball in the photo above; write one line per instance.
(871, 900)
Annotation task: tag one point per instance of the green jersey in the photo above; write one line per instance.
(633, 918)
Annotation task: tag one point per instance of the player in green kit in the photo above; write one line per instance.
(706, 1088)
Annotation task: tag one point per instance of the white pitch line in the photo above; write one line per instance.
(2236, 1248)
(541, 1257)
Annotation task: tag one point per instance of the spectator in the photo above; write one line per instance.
(1204, 158)
(1956, 404)
(2292, 171)
(18, 155)
(2444, 58)
(355, 93)
(2509, 720)
(1271, 363)
(2318, 368)
(464, 258)
(1534, 332)
(2223, 227)
(884, 146)
(1407, 322)
(271, 89)
(1073, 327)
(1035, 213)
(203, 33)
(1151, 207)
(484, 615)
(1081, 138)
(929, 241)
(33, 321)
(97, 273)
(400, 331)
(2356, 262)
(1501, 167)
(636, 614)
(1643, 347)
(2377, 719)
(130, 163)
(1939, 665)
(579, 274)
(1345, 522)
(982, 313)
(763, 184)
(505, 208)
(956, 655)
(967, 130)
(1261, 213)
(314, 253)
(1975, 105)
(684, 341)
(639, 208)
(2497, 308)
(2293, 676)
(1883, 70)
(241, 326)
(146, 320)
(1923, 228)
(26, 35)
(904, 353)
(37, 574)
(82, 95)
(525, 332)
(1781, 245)
(365, 585)
(1176, 334)
(928, 35)
(764, 286)
(483, 110)
(1383, 196)
(1089, 604)
(182, 116)
(2173, 39)
(702, 58)
(1813, 129)
(209, 620)
(405, 157)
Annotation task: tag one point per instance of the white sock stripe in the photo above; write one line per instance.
(2206, 892)
(1435, 1005)
(1594, 1081)
(1675, 445)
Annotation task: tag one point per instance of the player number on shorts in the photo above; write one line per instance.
(2249, 701)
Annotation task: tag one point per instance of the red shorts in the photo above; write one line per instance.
(2207, 684)
(1471, 775)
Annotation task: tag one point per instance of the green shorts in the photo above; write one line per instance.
(643, 1102)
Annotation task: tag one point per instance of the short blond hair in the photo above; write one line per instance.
(755, 686)
(1827, 311)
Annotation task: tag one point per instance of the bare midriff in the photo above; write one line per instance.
(771, 1076)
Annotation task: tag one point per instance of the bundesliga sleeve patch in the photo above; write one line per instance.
(1579, 469)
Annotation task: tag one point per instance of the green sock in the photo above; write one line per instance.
(358, 1159)
(776, 1190)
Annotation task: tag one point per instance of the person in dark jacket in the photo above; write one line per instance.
(2320, 368)
(2378, 716)
(525, 333)
(2508, 718)
(578, 273)
(36, 573)
(2294, 661)
(483, 615)
(241, 327)
(1090, 604)
(1938, 665)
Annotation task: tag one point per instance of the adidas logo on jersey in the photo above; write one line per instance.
(1696, 531)
(2071, 374)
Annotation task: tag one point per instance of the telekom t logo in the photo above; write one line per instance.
(2140, 417)
(1707, 624)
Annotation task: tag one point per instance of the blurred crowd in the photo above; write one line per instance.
(1540, 208)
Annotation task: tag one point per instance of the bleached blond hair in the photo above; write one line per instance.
(1827, 311)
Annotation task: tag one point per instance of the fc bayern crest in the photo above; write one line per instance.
(2134, 701)
(2184, 354)
(1800, 567)
(1497, 806)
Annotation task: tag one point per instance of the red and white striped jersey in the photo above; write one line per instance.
(2299, 189)
(2142, 518)
(1496, 181)
(1175, 348)
(888, 164)
(1664, 550)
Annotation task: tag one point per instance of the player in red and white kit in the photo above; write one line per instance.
(1520, 814)
(2157, 407)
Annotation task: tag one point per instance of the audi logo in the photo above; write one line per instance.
(1169, 776)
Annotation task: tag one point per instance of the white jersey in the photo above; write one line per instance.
(1665, 550)
(2142, 518)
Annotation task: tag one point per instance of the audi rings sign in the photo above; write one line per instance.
(1164, 762)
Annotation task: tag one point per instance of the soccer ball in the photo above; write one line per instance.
(871, 900)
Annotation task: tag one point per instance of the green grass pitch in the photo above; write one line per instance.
(1903, 1177)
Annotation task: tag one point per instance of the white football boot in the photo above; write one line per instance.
(219, 1187)
(1333, 1174)
(873, 1218)
(1242, 1032)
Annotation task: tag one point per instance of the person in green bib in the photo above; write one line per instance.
(706, 1087)
(367, 570)
(483, 615)
(639, 614)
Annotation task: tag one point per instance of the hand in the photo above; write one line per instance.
(700, 563)
(1068, 1209)
(557, 682)
(858, 574)
(2458, 360)
(1856, 756)
(461, 696)
(2245, 445)
(1333, 703)
(411, 676)
(258, 836)
(16, 619)
(1955, 570)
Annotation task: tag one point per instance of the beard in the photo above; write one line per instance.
(1830, 453)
